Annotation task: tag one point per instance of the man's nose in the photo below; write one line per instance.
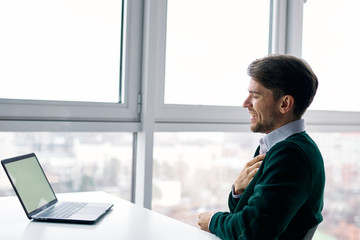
(247, 102)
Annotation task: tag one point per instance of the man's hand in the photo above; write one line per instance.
(204, 220)
(247, 173)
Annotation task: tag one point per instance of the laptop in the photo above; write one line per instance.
(38, 198)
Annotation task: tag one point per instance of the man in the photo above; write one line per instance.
(279, 193)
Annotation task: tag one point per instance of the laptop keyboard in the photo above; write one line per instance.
(63, 210)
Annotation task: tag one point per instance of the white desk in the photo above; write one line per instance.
(124, 221)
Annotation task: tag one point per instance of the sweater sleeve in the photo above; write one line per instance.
(232, 202)
(278, 194)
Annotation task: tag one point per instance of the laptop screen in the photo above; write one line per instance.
(30, 182)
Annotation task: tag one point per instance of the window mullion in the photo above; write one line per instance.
(278, 23)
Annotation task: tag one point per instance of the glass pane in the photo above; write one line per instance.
(209, 45)
(183, 160)
(60, 50)
(342, 200)
(75, 162)
(331, 46)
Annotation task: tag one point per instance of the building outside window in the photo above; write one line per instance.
(75, 162)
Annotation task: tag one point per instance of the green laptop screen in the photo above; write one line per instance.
(30, 183)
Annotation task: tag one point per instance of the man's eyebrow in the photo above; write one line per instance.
(253, 91)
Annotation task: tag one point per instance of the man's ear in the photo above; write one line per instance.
(286, 104)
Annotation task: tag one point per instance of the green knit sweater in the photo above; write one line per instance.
(284, 199)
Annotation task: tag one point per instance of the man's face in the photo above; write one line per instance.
(262, 108)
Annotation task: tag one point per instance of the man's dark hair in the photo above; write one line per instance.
(286, 75)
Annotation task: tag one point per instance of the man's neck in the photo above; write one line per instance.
(286, 119)
(280, 134)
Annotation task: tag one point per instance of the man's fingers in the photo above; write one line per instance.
(256, 159)
(255, 166)
(247, 173)
(260, 157)
(252, 173)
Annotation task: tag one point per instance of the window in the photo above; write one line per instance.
(342, 202)
(75, 162)
(61, 50)
(193, 172)
(331, 46)
(209, 45)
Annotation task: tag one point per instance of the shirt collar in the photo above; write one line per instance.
(281, 134)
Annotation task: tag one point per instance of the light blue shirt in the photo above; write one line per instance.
(276, 136)
(281, 134)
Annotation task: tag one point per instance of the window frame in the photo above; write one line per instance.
(40, 115)
(286, 16)
(182, 113)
